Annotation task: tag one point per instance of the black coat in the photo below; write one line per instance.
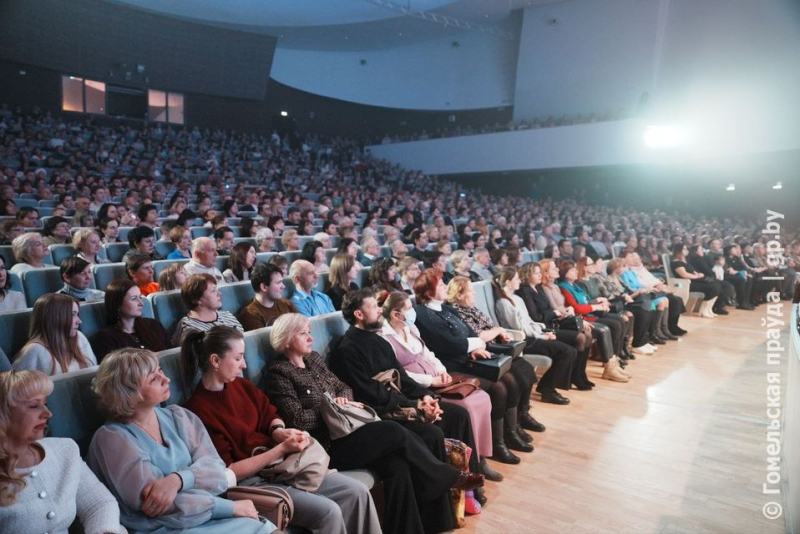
(538, 306)
(446, 335)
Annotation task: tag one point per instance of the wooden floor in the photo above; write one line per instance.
(678, 449)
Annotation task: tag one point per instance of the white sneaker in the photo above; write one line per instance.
(652, 347)
(643, 350)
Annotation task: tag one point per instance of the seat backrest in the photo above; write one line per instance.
(8, 256)
(93, 317)
(60, 253)
(168, 308)
(484, 299)
(76, 409)
(258, 354)
(264, 257)
(16, 282)
(39, 282)
(164, 248)
(222, 263)
(5, 363)
(326, 330)
(170, 361)
(291, 256)
(236, 295)
(665, 261)
(160, 265)
(105, 273)
(14, 330)
(115, 251)
(200, 231)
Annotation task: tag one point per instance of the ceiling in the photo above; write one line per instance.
(333, 25)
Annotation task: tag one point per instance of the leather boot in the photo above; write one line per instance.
(500, 452)
(526, 420)
(486, 470)
(626, 349)
(511, 438)
(664, 329)
(655, 338)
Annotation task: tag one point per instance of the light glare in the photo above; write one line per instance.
(667, 136)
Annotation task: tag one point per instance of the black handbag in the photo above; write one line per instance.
(574, 322)
(492, 369)
(512, 348)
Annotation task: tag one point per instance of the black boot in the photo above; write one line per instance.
(500, 452)
(664, 328)
(626, 351)
(655, 338)
(512, 439)
(488, 473)
(525, 418)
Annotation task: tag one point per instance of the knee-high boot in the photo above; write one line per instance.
(500, 451)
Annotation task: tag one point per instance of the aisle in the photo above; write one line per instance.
(681, 448)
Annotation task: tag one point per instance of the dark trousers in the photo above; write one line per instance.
(615, 323)
(641, 325)
(708, 289)
(512, 386)
(743, 288)
(560, 372)
(583, 344)
(416, 481)
(676, 308)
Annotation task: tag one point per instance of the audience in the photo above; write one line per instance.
(408, 269)
(342, 278)
(267, 304)
(182, 238)
(77, 276)
(306, 298)
(314, 253)
(139, 268)
(172, 277)
(204, 259)
(10, 299)
(204, 302)
(30, 251)
(158, 462)
(240, 263)
(55, 345)
(89, 246)
(125, 326)
(44, 483)
(56, 231)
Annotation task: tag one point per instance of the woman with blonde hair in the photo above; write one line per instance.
(290, 241)
(29, 250)
(89, 245)
(158, 462)
(55, 345)
(44, 483)
(462, 265)
(172, 277)
(341, 277)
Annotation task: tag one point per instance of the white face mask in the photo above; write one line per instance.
(410, 316)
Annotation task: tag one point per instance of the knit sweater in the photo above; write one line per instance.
(36, 357)
(57, 489)
(237, 418)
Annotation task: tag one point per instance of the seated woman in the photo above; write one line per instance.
(290, 241)
(437, 260)
(382, 275)
(55, 345)
(281, 263)
(76, 274)
(248, 227)
(30, 251)
(342, 278)
(240, 263)
(172, 277)
(109, 230)
(159, 462)
(512, 313)
(139, 268)
(265, 240)
(596, 311)
(456, 343)
(314, 253)
(10, 300)
(125, 326)
(89, 246)
(710, 288)
(350, 246)
(44, 483)
(415, 482)
(424, 367)
(698, 260)
(462, 265)
(201, 297)
(56, 231)
(408, 269)
(182, 238)
(240, 418)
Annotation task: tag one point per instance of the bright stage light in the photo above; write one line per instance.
(731, 187)
(284, 113)
(665, 136)
(778, 185)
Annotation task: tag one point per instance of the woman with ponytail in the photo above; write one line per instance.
(250, 436)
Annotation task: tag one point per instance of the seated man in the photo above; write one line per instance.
(399, 250)
(371, 250)
(204, 259)
(224, 239)
(77, 276)
(420, 240)
(306, 299)
(267, 305)
(481, 263)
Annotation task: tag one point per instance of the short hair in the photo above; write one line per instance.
(353, 300)
(456, 289)
(51, 224)
(405, 263)
(457, 257)
(296, 269)
(219, 233)
(194, 287)
(262, 234)
(564, 267)
(119, 380)
(480, 251)
(287, 235)
(425, 285)
(262, 273)
(321, 236)
(25, 210)
(344, 243)
(136, 235)
(176, 234)
(309, 251)
(21, 246)
(278, 261)
(167, 279)
(285, 328)
(81, 235)
(198, 243)
(527, 269)
(145, 209)
(72, 266)
(134, 260)
(497, 254)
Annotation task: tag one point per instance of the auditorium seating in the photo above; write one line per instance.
(691, 299)
(42, 281)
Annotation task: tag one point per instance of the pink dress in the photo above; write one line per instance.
(422, 365)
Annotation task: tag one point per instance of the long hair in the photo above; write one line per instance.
(199, 346)
(340, 266)
(499, 283)
(16, 387)
(545, 266)
(51, 322)
(167, 280)
(581, 266)
(379, 275)
(238, 259)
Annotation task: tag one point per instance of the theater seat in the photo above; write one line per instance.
(165, 248)
(168, 308)
(42, 281)
(115, 251)
(76, 409)
(60, 253)
(160, 265)
(264, 257)
(236, 295)
(291, 256)
(105, 273)
(14, 331)
(5, 363)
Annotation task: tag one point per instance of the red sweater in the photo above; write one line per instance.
(237, 418)
(580, 309)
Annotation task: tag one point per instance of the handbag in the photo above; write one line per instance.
(391, 379)
(461, 387)
(342, 420)
(492, 369)
(512, 348)
(303, 470)
(272, 502)
(574, 322)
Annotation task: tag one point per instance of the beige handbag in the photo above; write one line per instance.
(342, 420)
(303, 470)
(272, 502)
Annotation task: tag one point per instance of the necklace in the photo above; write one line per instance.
(155, 438)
